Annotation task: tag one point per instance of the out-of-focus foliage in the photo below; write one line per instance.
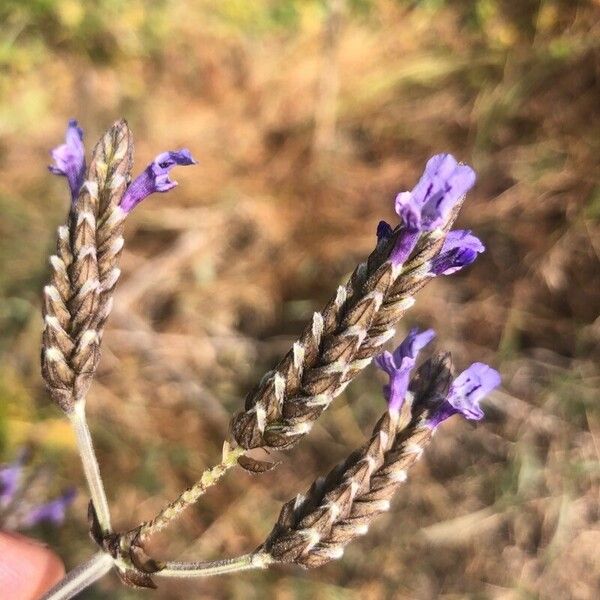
(307, 117)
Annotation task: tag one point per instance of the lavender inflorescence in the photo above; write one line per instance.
(338, 343)
(360, 318)
(85, 268)
(314, 528)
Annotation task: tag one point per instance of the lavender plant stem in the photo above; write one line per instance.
(218, 567)
(81, 577)
(209, 478)
(90, 464)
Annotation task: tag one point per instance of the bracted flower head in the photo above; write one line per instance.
(155, 177)
(50, 512)
(69, 159)
(429, 204)
(460, 249)
(465, 393)
(398, 365)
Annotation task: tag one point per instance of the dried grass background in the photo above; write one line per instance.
(305, 128)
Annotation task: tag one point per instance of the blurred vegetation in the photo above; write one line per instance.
(307, 117)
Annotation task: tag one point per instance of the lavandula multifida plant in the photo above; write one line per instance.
(336, 345)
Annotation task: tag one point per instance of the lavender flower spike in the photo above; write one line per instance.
(460, 249)
(465, 393)
(51, 512)
(155, 177)
(399, 364)
(69, 159)
(429, 204)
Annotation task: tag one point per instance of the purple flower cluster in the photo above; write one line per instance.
(69, 161)
(426, 208)
(17, 511)
(464, 395)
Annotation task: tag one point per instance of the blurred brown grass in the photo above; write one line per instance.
(294, 174)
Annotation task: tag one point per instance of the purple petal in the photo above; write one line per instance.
(395, 392)
(385, 361)
(465, 393)
(442, 184)
(447, 185)
(405, 244)
(408, 208)
(399, 364)
(155, 177)
(438, 168)
(69, 159)
(51, 512)
(460, 249)
(412, 344)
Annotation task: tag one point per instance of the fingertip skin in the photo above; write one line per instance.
(27, 567)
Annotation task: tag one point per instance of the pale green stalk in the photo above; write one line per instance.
(90, 464)
(81, 577)
(217, 567)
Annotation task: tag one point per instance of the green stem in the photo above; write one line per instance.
(90, 464)
(80, 577)
(217, 567)
(209, 478)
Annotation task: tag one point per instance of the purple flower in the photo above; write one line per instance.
(51, 512)
(155, 177)
(465, 393)
(399, 364)
(69, 159)
(429, 204)
(443, 183)
(10, 479)
(460, 249)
